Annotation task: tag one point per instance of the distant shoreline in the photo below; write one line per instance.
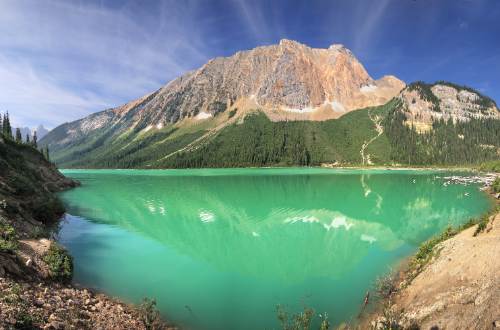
(386, 168)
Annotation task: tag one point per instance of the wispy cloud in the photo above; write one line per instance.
(85, 56)
(252, 14)
(368, 22)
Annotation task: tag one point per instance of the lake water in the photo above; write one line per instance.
(220, 248)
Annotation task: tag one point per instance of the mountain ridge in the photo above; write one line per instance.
(287, 82)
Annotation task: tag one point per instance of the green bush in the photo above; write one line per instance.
(8, 237)
(60, 263)
(496, 185)
(48, 210)
(149, 314)
(300, 321)
(492, 166)
(232, 113)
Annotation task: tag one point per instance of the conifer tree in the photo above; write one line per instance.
(46, 153)
(7, 129)
(34, 139)
(19, 137)
(27, 138)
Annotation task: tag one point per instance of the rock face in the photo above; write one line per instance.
(288, 81)
(425, 103)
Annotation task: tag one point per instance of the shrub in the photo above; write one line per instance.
(385, 285)
(300, 320)
(495, 186)
(47, 211)
(8, 237)
(149, 314)
(492, 166)
(60, 263)
(232, 113)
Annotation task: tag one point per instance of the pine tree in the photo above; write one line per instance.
(47, 153)
(1, 124)
(19, 137)
(7, 129)
(27, 138)
(34, 139)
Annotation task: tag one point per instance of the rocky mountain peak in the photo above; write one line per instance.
(425, 103)
(286, 81)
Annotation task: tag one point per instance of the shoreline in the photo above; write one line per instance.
(381, 168)
(35, 272)
(418, 297)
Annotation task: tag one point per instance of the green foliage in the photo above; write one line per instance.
(19, 138)
(385, 285)
(491, 166)
(217, 107)
(426, 251)
(482, 222)
(149, 314)
(5, 127)
(232, 113)
(8, 237)
(60, 263)
(261, 142)
(299, 321)
(495, 186)
(442, 145)
(425, 93)
(48, 210)
(257, 141)
(25, 320)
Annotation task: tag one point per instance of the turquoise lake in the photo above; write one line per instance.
(220, 248)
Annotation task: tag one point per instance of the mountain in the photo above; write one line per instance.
(40, 132)
(285, 104)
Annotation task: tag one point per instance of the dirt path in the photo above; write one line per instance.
(380, 129)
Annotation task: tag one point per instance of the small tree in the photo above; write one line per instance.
(19, 137)
(34, 139)
(45, 152)
(6, 128)
(27, 138)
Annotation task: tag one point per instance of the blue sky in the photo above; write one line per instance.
(61, 60)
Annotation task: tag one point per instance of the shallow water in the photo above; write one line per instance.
(220, 248)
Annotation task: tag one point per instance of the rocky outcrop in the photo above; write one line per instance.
(27, 184)
(426, 103)
(287, 81)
